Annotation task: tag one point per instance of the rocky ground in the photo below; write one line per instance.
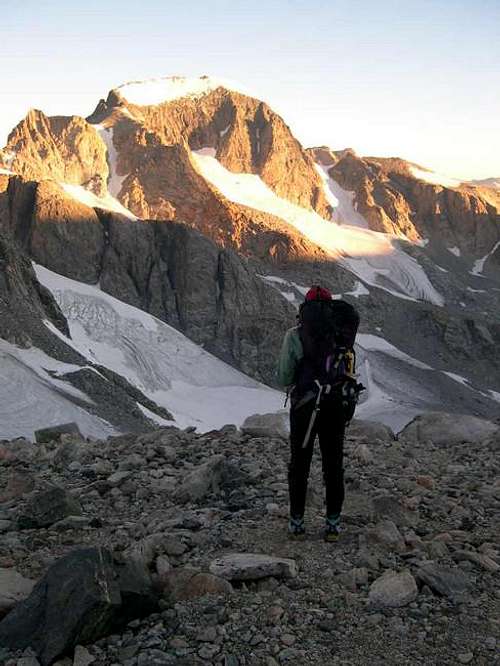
(414, 578)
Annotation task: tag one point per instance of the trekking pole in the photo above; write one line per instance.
(313, 415)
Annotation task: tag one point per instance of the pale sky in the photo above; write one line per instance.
(419, 79)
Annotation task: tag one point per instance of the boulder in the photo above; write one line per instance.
(386, 536)
(445, 581)
(19, 483)
(202, 480)
(47, 507)
(13, 588)
(252, 566)
(53, 433)
(81, 597)
(393, 590)
(185, 583)
(447, 429)
(370, 432)
(267, 425)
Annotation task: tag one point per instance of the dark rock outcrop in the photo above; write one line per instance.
(81, 597)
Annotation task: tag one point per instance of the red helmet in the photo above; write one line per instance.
(317, 293)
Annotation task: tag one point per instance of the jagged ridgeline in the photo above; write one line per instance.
(173, 233)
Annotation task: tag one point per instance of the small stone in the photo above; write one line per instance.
(27, 661)
(491, 642)
(425, 481)
(82, 656)
(288, 639)
(465, 657)
(207, 635)
(363, 454)
(208, 651)
(119, 477)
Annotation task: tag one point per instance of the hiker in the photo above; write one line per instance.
(316, 367)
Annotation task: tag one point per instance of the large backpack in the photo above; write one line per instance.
(327, 330)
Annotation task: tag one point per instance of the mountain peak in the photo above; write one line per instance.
(168, 88)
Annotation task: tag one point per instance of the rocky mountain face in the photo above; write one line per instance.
(170, 547)
(393, 200)
(123, 200)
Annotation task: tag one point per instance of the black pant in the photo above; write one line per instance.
(330, 427)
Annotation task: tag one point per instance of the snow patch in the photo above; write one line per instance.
(225, 131)
(342, 201)
(454, 250)
(288, 288)
(93, 201)
(32, 396)
(478, 266)
(7, 172)
(169, 88)
(434, 178)
(457, 378)
(368, 254)
(370, 342)
(115, 181)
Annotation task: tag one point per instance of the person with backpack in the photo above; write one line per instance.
(317, 368)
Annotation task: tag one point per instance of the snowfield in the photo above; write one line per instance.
(374, 257)
(169, 88)
(177, 374)
(31, 397)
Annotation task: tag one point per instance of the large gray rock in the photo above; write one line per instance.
(81, 597)
(370, 432)
(252, 566)
(47, 507)
(267, 425)
(447, 582)
(447, 429)
(202, 480)
(13, 588)
(393, 590)
(54, 433)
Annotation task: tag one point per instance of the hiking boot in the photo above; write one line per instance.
(332, 528)
(296, 529)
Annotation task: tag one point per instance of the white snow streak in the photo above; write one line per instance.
(454, 250)
(434, 178)
(371, 255)
(370, 342)
(341, 201)
(93, 201)
(478, 266)
(115, 181)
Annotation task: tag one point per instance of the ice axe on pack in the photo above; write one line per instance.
(315, 412)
